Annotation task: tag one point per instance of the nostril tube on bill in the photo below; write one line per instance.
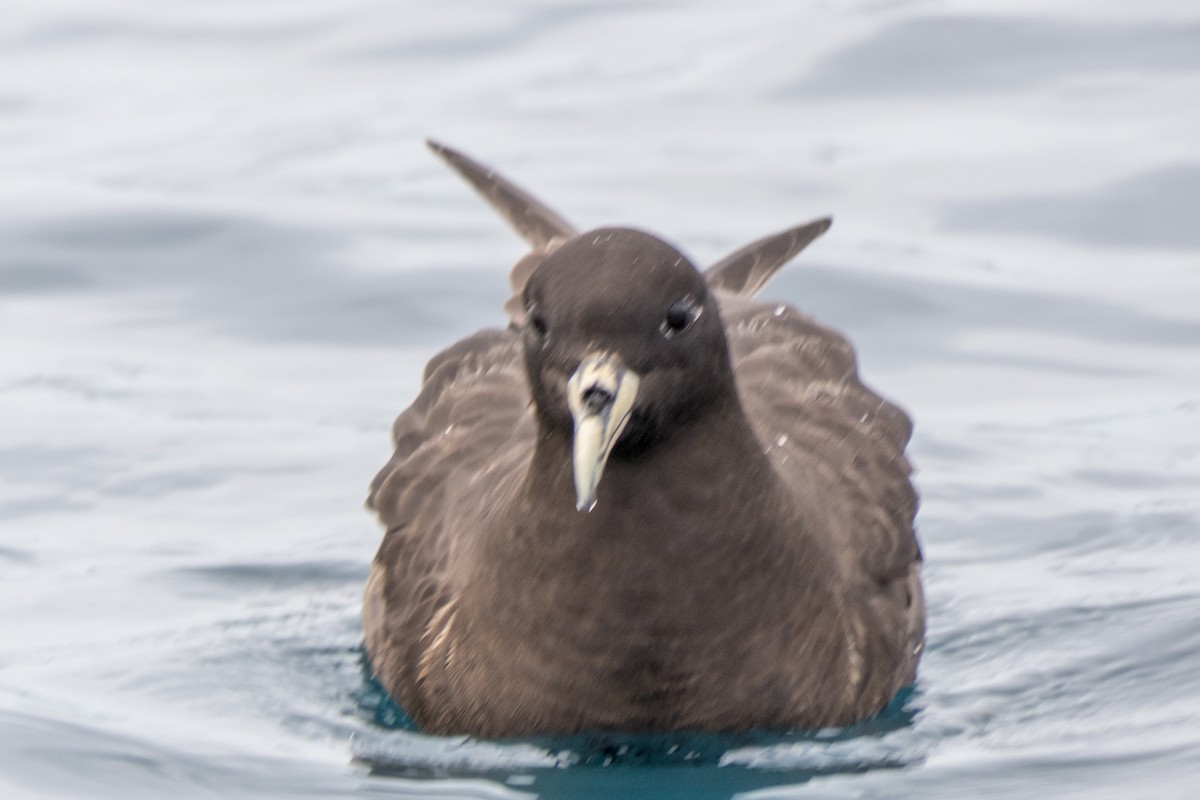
(596, 399)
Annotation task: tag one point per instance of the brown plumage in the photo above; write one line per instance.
(750, 561)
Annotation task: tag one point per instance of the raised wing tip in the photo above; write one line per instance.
(451, 156)
(536, 222)
(745, 271)
(442, 150)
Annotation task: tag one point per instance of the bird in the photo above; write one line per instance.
(648, 503)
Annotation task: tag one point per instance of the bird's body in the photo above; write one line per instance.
(748, 560)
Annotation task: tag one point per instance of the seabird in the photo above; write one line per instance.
(650, 503)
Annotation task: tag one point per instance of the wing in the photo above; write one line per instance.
(467, 433)
(840, 448)
(535, 221)
(464, 438)
(538, 224)
(744, 271)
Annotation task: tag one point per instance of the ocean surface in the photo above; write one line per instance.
(225, 255)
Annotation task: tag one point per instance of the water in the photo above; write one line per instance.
(225, 256)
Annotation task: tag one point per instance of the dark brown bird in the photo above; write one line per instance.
(649, 504)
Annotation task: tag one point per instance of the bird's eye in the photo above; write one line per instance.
(536, 321)
(679, 318)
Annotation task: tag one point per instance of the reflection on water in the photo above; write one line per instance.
(225, 257)
(657, 765)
